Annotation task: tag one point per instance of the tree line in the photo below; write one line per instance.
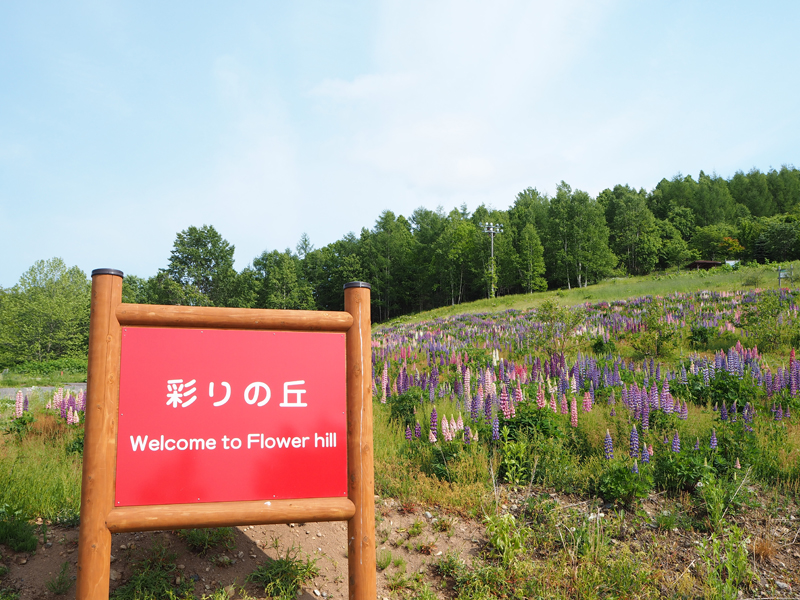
(432, 258)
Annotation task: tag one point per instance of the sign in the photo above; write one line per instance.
(208, 415)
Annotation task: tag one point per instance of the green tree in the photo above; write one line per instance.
(452, 255)
(709, 241)
(531, 260)
(203, 260)
(578, 240)
(752, 190)
(281, 282)
(46, 315)
(784, 185)
(634, 234)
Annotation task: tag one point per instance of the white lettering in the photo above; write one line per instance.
(236, 443)
(269, 443)
(211, 443)
(284, 442)
(185, 444)
(139, 443)
(167, 445)
(197, 444)
(252, 438)
(154, 446)
(251, 393)
(318, 439)
(304, 440)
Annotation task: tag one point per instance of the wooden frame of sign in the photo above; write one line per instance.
(99, 517)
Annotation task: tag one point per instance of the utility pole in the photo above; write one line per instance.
(492, 229)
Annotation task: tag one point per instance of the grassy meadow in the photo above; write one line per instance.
(635, 439)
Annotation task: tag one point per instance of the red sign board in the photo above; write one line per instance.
(220, 415)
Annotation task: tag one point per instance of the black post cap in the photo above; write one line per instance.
(116, 272)
(357, 284)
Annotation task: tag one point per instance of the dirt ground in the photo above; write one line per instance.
(774, 550)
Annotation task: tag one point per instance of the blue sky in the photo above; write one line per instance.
(122, 123)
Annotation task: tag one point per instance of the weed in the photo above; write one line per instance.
(153, 578)
(443, 525)
(506, 539)
(396, 581)
(449, 565)
(764, 550)
(61, 583)
(15, 531)
(399, 563)
(9, 594)
(415, 529)
(203, 540)
(726, 565)
(282, 577)
(666, 520)
(384, 559)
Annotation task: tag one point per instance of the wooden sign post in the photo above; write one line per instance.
(130, 345)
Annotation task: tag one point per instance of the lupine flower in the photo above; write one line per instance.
(409, 435)
(504, 403)
(459, 423)
(713, 443)
(573, 417)
(466, 434)
(18, 405)
(447, 435)
(779, 413)
(737, 465)
(634, 445)
(676, 442)
(564, 406)
(431, 437)
(434, 420)
(697, 444)
(540, 400)
(495, 429)
(635, 468)
(684, 411)
(417, 430)
(608, 446)
(553, 402)
(650, 449)
(587, 402)
(723, 412)
(25, 404)
(645, 454)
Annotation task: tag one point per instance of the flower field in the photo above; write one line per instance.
(638, 448)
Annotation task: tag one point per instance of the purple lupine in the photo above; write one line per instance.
(434, 421)
(723, 412)
(779, 413)
(608, 446)
(635, 468)
(417, 430)
(697, 444)
(467, 434)
(409, 435)
(634, 443)
(713, 443)
(495, 428)
(676, 442)
(645, 454)
(684, 411)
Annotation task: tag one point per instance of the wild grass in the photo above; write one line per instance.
(620, 288)
(39, 475)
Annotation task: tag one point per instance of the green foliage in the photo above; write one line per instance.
(61, 583)
(726, 563)
(384, 559)
(46, 315)
(506, 538)
(282, 577)
(402, 407)
(700, 336)
(515, 461)
(619, 484)
(19, 426)
(602, 347)
(15, 531)
(658, 335)
(153, 578)
(203, 540)
(680, 471)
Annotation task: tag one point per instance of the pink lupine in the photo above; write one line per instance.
(564, 406)
(385, 381)
(453, 425)
(19, 405)
(504, 404)
(446, 435)
(518, 394)
(553, 406)
(460, 423)
(587, 402)
(573, 417)
(540, 401)
(467, 379)
(431, 436)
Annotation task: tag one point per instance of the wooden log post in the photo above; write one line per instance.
(99, 456)
(360, 468)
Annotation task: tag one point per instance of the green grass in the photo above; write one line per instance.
(203, 540)
(38, 473)
(282, 577)
(620, 288)
(153, 578)
(23, 380)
